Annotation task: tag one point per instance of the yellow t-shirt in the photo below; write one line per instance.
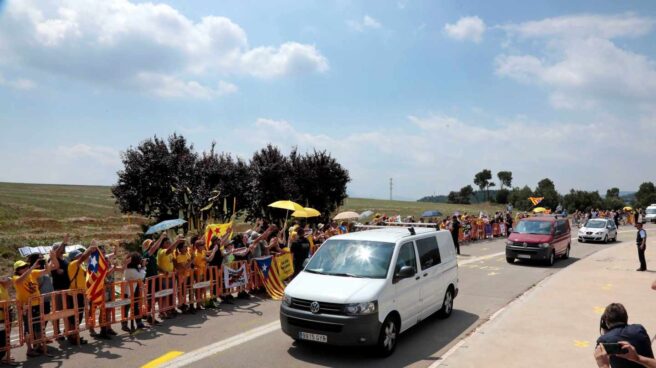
(199, 260)
(4, 296)
(29, 288)
(78, 278)
(181, 258)
(164, 261)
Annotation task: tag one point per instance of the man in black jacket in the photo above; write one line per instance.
(615, 328)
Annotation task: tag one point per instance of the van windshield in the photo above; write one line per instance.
(651, 211)
(352, 258)
(533, 227)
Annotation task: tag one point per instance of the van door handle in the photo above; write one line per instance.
(417, 278)
(426, 274)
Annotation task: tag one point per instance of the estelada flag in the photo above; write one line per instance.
(96, 273)
(215, 229)
(535, 200)
(270, 277)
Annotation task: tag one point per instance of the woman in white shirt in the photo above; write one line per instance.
(135, 270)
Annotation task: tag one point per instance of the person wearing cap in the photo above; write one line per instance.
(77, 275)
(27, 294)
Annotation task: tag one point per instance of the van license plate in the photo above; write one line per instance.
(312, 337)
(525, 256)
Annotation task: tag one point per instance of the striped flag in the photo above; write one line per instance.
(535, 200)
(269, 274)
(96, 273)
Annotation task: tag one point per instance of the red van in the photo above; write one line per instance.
(539, 238)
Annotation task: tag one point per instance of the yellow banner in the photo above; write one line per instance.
(216, 229)
(285, 265)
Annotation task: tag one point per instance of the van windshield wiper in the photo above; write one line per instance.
(345, 274)
(314, 271)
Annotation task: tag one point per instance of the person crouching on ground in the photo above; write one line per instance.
(27, 294)
(615, 327)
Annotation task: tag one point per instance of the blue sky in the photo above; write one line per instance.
(426, 92)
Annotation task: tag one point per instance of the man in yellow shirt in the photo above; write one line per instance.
(27, 294)
(77, 274)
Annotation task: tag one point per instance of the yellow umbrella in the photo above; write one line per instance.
(287, 205)
(306, 212)
(539, 209)
(628, 208)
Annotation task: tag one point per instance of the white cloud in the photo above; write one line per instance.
(466, 29)
(579, 64)
(171, 87)
(117, 42)
(440, 153)
(583, 26)
(19, 84)
(367, 22)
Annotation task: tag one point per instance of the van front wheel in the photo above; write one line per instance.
(389, 332)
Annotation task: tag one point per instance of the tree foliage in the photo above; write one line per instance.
(167, 179)
(461, 197)
(645, 195)
(502, 196)
(582, 200)
(482, 180)
(505, 178)
(547, 189)
(156, 180)
(519, 198)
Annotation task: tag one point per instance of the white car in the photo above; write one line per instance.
(650, 213)
(365, 288)
(598, 229)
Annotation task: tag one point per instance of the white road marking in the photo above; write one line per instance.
(219, 346)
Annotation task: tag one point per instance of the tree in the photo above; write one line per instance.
(270, 181)
(613, 193)
(482, 180)
(502, 196)
(505, 178)
(645, 195)
(453, 197)
(582, 201)
(519, 198)
(219, 180)
(465, 194)
(547, 189)
(157, 178)
(320, 181)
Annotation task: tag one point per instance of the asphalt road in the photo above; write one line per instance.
(247, 334)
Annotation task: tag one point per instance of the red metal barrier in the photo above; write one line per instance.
(125, 302)
(162, 290)
(8, 308)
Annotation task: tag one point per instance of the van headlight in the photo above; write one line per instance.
(361, 308)
(543, 245)
(287, 300)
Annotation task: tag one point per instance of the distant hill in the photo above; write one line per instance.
(477, 197)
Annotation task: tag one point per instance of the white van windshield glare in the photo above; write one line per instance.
(352, 258)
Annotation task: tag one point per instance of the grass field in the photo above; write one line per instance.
(39, 214)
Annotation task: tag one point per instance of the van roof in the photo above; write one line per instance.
(388, 234)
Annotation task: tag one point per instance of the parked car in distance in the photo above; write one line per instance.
(542, 238)
(650, 213)
(365, 288)
(598, 229)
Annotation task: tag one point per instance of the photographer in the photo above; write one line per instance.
(603, 358)
(615, 328)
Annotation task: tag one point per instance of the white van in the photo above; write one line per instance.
(364, 288)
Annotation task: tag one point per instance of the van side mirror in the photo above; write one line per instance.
(404, 273)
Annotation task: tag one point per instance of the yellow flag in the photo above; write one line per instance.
(216, 229)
